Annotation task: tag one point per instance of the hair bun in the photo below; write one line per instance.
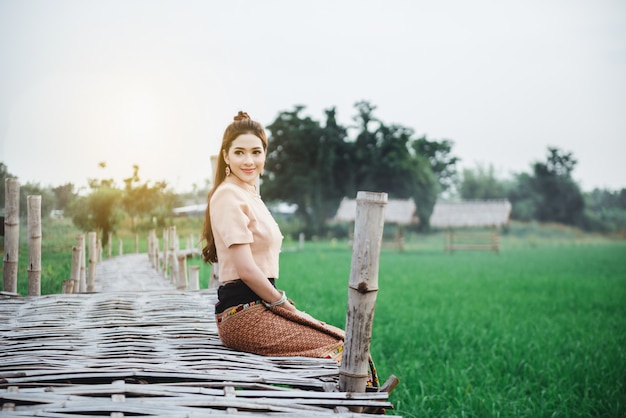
(241, 116)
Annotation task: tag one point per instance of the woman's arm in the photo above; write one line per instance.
(252, 276)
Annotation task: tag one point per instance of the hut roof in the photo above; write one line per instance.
(471, 213)
(398, 211)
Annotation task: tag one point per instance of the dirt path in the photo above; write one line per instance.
(131, 273)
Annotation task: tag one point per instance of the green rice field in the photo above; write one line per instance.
(536, 330)
(532, 331)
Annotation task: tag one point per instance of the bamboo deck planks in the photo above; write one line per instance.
(152, 354)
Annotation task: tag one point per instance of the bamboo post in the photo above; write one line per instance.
(165, 250)
(99, 246)
(34, 245)
(182, 272)
(81, 284)
(11, 233)
(78, 271)
(77, 254)
(67, 286)
(150, 249)
(362, 290)
(192, 241)
(121, 247)
(157, 266)
(93, 259)
(173, 255)
(109, 244)
(194, 277)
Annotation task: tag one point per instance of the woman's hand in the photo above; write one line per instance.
(287, 305)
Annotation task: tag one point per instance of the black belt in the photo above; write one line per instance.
(235, 293)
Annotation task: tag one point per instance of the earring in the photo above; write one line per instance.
(227, 171)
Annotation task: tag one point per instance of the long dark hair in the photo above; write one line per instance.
(242, 124)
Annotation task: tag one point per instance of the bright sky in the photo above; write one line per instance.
(155, 83)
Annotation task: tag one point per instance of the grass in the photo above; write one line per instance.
(530, 332)
(538, 330)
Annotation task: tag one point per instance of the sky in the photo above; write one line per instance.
(154, 82)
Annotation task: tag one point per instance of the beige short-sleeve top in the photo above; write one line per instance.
(239, 216)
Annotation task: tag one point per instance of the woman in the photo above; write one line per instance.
(252, 314)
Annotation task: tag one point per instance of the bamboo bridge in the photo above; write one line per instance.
(129, 341)
(151, 354)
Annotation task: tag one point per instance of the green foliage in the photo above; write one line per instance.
(35, 189)
(100, 211)
(442, 162)
(141, 199)
(549, 194)
(4, 174)
(314, 167)
(64, 195)
(307, 165)
(58, 237)
(482, 183)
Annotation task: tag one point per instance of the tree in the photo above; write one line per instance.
(385, 160)
(35, 189)
(141, 199)
(481, 183)
(605, 210)
(4, 174)
(426, 191)
(314, 167)
(393, 169)
(64, 195)
(308, 165)
(561, 198)
(524, 197)
(99, 211)
(442, 162)
(364, 149)
(293, 167)
(549, 194)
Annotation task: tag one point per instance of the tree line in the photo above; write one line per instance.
(313, 165)
(104, 205)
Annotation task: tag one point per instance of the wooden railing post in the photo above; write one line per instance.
(78, 271)
(93, 260)
(34, 245)
(173, 254)
(11, 234)
(182, 272)
(151, 248)
(194, 277)
(77, 253)
(81, 284)
(362, 290)
(166, 247)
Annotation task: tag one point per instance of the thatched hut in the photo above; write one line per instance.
(472, 224)
(399, 212)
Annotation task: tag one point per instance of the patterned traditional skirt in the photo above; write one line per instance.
(253, 328)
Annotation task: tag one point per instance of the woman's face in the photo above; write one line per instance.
(246, 158)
